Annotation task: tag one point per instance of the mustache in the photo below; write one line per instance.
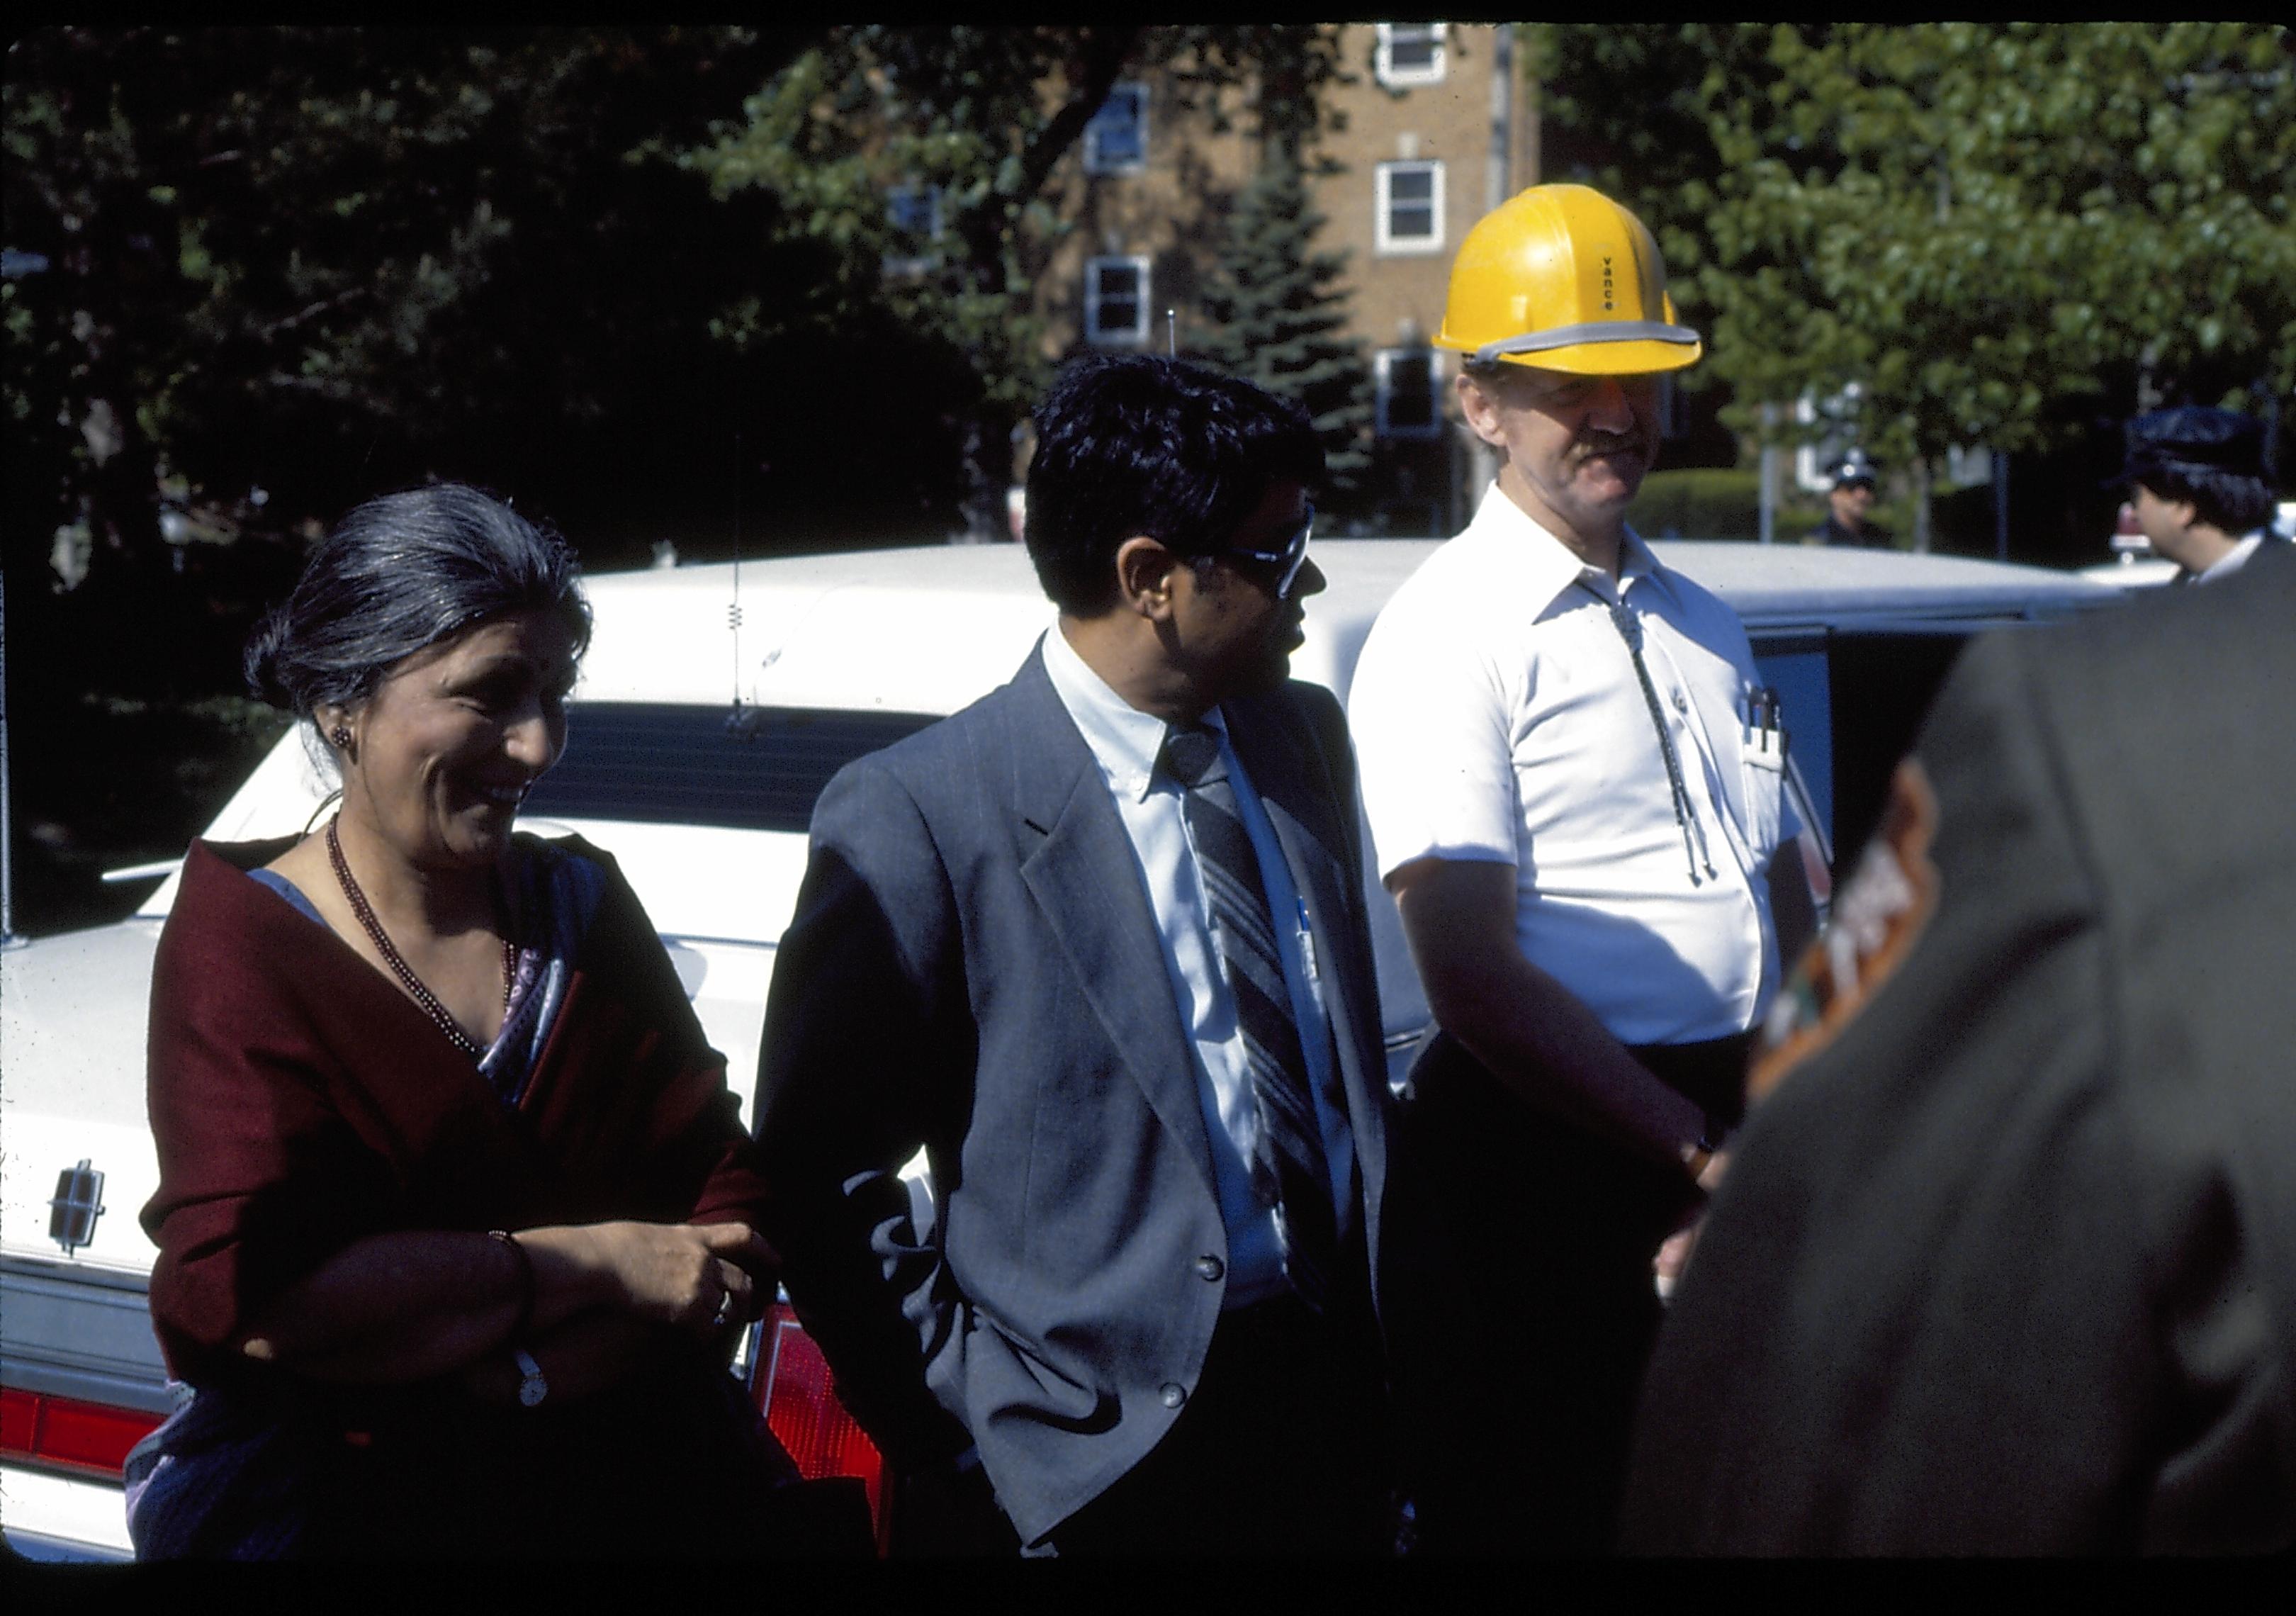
(1591, 443)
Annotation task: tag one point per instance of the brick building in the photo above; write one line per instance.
(1436, 126)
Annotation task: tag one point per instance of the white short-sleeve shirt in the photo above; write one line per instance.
(1497, 717)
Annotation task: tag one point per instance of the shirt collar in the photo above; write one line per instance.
(1124, 740)
(2232, 560)
(1548, 566)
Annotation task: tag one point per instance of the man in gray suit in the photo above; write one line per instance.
(1098, 945)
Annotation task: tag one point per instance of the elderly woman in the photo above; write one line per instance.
(455, 1211)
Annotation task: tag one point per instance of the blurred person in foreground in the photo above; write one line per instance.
(1575, 783)
(1099, 945)
(2197, 481)
(2004, 1262)
(1847, 506)
(455, 1213)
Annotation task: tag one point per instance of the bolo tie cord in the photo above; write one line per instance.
(1685, 817)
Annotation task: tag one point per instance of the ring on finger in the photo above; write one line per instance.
(724, 1313)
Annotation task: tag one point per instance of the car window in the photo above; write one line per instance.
(664, 763)
(1880, 682)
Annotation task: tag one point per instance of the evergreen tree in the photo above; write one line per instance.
(1279, 310)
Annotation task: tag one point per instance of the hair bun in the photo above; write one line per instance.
(261, 661)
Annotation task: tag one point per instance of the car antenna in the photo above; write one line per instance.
(739, 720)
(8, 938)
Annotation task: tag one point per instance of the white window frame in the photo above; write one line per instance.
(1384, 364)
(1137, 334)
(1096, 159)
(1389, 244)
(1401, 79)
(1814, 460)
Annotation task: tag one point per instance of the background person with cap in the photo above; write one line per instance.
(2197, 480)
(1852, 497)
(1574, 781)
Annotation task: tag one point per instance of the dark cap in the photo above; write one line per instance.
(1852, 468)
(2190, 436)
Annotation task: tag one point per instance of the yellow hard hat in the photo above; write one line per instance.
(1563, 278)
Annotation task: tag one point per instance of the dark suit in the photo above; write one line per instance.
(1868, 537)
(974, 967)
(2009, 1267)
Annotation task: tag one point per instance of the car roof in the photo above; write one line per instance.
(929, 629)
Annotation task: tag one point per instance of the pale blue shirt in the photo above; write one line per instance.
(1125, 742)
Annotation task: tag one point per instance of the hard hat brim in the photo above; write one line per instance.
(1628, 358)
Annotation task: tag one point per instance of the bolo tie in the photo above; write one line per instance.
(1685, 817)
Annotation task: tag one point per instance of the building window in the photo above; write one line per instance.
(914, 213)
(1410, 207)
(1116, 301)
(1410, 382)
(1816, 458)
(1116, 140)
(1409, 53)
(915, 210)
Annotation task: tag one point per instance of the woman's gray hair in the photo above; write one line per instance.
(402, 573)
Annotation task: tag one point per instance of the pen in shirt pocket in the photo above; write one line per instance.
(1762, 721)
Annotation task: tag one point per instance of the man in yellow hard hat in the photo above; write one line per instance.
(1573, 778)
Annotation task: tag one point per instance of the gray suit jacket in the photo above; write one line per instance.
(975, 968)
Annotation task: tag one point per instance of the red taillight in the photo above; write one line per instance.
(67, 1434)
(792, 1389)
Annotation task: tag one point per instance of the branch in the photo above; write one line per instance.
(1105, 51)
(320, 307)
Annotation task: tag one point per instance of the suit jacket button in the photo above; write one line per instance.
(1209, 1267)
(1175, 1394)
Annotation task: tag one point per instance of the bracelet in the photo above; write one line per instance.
(525, 1281)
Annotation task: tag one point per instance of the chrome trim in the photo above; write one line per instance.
(40, 1547)
(82, 1333)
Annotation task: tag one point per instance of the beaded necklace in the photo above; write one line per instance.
(424, 996)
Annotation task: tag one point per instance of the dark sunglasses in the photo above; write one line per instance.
(1285, 562)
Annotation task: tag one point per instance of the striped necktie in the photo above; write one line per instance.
(1289, 1171)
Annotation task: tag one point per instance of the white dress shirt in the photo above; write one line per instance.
(1125, 742)
(1497, 717)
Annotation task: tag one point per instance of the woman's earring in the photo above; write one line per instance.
(341, 735)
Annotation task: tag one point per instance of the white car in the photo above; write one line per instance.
(706, 723)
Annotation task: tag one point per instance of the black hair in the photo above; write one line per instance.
(2224, 500)
(402, 573)
(1132, 444)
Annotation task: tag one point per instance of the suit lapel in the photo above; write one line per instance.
(1079, 866)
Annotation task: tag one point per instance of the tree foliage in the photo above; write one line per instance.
(1279, 313)
(324, 260)
(983, 117)
(1996, 230)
